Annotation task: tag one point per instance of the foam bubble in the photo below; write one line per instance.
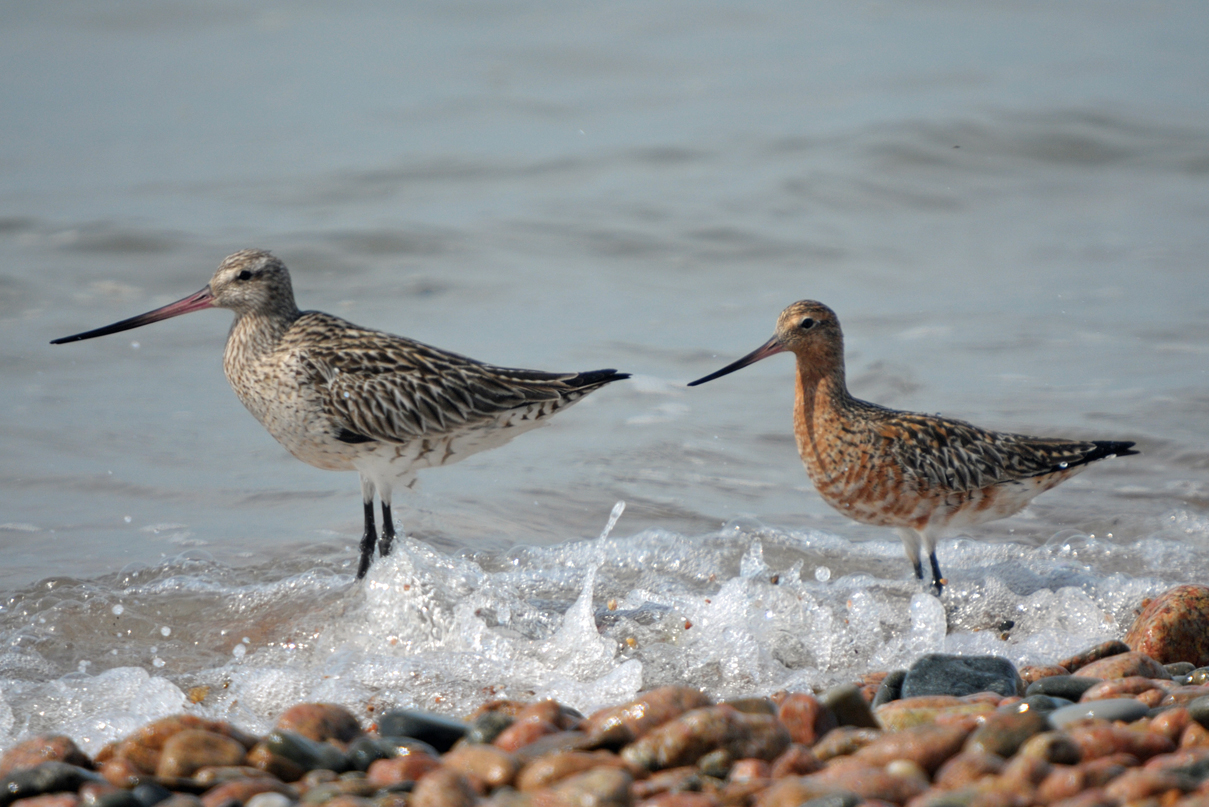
(96, 709)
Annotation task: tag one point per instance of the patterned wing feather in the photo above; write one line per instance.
(956, 455)
(395, 389)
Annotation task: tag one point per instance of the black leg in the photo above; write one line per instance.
(367, 540)
(938, 580)
(388, 531)
(919, 571)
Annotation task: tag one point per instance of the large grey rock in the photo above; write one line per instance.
(940, 674)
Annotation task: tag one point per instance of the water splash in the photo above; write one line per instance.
(618, 509)
(587, 622)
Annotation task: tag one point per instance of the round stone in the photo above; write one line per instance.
(941, 674)
(486, 727)
(1126, 709)
(305, 752)
(1198, 710)
(849, 707)
(891, 688)
(1174, 627)
(150, 794)
(436, 730)
(1070, 687)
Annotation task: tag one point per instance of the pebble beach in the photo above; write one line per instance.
(1121, 723)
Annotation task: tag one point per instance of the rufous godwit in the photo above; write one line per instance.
(922, 474)
(345, 398)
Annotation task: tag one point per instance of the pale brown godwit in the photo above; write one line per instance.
(922, 474)
(346, 398)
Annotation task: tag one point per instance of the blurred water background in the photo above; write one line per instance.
(1006, 204)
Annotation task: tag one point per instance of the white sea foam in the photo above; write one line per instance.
(588, 623)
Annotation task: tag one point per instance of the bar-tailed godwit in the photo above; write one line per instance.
(923, 474)
(344, 398)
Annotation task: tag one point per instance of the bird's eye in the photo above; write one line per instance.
(806, 324)
(245, 275)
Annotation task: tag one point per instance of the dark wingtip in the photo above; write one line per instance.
(594, 378)
(1111, 448)
(1103, 450)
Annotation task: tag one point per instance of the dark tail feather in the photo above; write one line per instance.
(596, 378)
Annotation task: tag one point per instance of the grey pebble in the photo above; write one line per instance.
(843, 799)
(49, 777)
(486, 727)
(849, 707)
(891, 688)
(118, 798)
(150, 794)
(366, 750)
(941, 674)
(1198, 710)
(306, 752)
(437, 730)
(1070, 687)
(1127, 709)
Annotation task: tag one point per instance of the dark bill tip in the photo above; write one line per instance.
(194, 302)
(769, 348)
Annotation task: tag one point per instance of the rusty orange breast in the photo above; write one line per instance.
(847, 458)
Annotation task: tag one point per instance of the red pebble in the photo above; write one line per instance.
(240, 790)
(1126, 687)
(1139, 783)
(1172, 626)
(43, 748)
(1096, 797)
(1100, 738)
(521, 733)
(745, 770)
(928, 746)
(393, 771)
(796, 760)
(681, 799)
(48, 800)
(1123, 665)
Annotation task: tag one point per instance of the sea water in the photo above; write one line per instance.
(1004, 204)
